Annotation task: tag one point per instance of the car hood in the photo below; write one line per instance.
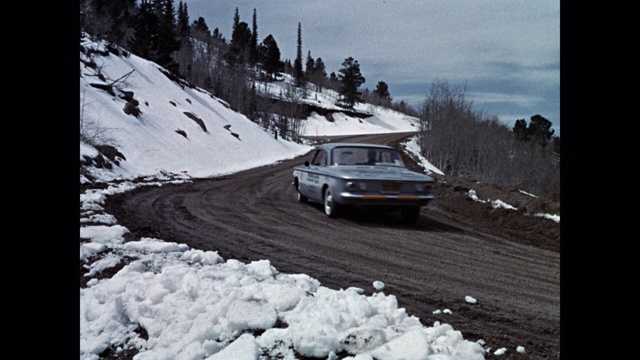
(377, 172)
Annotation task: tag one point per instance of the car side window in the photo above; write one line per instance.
(320, 158)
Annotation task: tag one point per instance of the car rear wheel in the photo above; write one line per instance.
(410, 214)
(331, 208)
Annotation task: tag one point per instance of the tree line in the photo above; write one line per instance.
(462, 142)
(454, 137)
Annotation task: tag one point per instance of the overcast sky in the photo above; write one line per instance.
(506, 52)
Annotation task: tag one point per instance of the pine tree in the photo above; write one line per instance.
(253, 45)
(239, 46)
(288, 68)
(145, 31)
(167, 39)
(183, 20)
(351, 79)
(270, 55)
(310, 66)
(200, 28)
(117, 13)
(320, 74)
(217, 35)
(334, 82)
(236, 20)
(520, 130)
(540, 129)
(108, 19)
(382, 93)
(382, 90)
(298, 74)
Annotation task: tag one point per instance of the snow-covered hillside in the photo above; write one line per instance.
(380, 119)
(162, 125)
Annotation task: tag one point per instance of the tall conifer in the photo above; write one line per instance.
(236, 20)
(298, 74)
(183, 20)
(167, 34)
(253, 45)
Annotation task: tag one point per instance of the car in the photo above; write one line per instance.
(342, 175)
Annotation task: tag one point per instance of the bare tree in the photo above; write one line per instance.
(443, 116)
(92, 132)
(294, 97)
(465, 143)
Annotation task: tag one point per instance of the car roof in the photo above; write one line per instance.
(330, 146)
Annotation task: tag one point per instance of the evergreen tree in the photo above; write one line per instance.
(253, 45)
(118, 14)
(288, 68)
(239, 46)
(270, 55)
(108, 19)
(350, 80)
(382, 90)
(334, 81)
(199, 29)
(145, 31)
(217, 35)
(540, 129)
(320, 73)
(310, 67)
(298, 74)
(236, 20)
(520, 130)
(183, 20)
(184, 55)
(382, 94)
(167, 40)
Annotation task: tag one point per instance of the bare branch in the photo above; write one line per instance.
(122, 77)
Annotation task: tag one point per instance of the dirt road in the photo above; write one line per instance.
(508, 261)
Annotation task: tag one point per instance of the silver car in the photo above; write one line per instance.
(362, 175)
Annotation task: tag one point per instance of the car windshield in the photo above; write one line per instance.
(354, 155)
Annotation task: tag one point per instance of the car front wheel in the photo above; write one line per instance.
(331, 208)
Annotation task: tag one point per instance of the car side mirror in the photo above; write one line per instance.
(306, 163)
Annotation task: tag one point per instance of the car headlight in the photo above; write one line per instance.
(354, 186)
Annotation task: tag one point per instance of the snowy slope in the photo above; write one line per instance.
(184, 129)
(150, 142)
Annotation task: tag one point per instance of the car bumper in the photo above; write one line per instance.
(348, 198)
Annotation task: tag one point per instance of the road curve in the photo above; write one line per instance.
(432, 265)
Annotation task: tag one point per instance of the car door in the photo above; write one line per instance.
(316, 167)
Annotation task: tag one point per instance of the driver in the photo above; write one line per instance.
(371, 155)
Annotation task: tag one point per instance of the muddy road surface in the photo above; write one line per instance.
(506, 260)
